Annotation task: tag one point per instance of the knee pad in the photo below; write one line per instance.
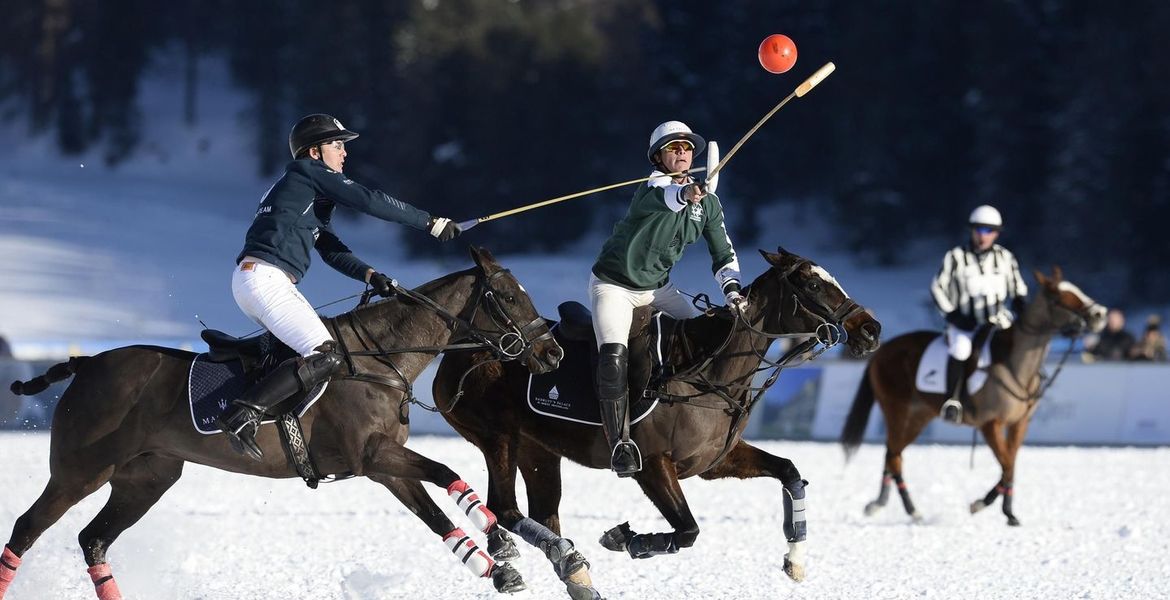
(315, 368)
(612, 365)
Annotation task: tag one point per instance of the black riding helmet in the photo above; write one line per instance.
(316, 129)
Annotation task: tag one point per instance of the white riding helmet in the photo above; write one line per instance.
(669, 132)
(987, 216)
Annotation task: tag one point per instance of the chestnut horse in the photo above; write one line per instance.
(125, 418)
(1007, 400)
(705, 402)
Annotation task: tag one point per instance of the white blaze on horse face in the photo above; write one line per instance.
(1097, 313)
(825, 276)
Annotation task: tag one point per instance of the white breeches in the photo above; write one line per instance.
(959, 342)
(613, 308)
(267, 295)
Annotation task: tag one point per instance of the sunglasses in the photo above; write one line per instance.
(679, 146)
(985, 230)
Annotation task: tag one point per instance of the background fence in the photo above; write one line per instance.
(1098, 404)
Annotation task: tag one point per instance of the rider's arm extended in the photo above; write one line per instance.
(343, 190)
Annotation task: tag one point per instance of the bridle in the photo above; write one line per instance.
(507, 340)
(1073, 329)
(828, 333)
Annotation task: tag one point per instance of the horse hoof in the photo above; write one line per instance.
(617, 539)
(582, 592)
(1013, 521)
(501, 547)
(977, 506)
(793, 570)
(916, 518)
(507, 579)
(873, 507)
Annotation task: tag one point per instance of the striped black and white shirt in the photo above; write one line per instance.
(979, 285)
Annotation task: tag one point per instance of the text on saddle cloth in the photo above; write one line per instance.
(568, 392)
(213, 386)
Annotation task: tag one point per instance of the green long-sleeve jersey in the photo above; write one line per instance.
(649, 240)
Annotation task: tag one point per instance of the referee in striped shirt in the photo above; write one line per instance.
(976, 285)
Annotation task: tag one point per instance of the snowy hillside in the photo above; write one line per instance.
(97, 257)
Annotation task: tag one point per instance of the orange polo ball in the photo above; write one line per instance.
(777, 53)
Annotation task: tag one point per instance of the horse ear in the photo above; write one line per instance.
(1040, 278)
(781, 251)
(1057, 274)
(773, 259)
(482, 257)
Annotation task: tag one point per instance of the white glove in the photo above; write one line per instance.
(737, 302)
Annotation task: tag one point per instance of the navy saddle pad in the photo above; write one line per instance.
(212, 386)
(568, 394)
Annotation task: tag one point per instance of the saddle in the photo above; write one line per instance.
(568, 393)
(228, 369)
(262, 351)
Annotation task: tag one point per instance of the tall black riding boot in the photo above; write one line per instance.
(952, 409)
(613, 392)
(293, 375)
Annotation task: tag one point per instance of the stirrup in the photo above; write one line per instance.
(952, 411)
(242, 435)
(625, 449)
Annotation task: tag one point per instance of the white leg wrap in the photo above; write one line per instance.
(468, 502)
(465, 549)
(796, 553)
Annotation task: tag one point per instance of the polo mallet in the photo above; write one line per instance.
(468, 224)
(799, 92)
(712, 173)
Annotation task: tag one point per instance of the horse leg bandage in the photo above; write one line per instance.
(465, 549)
(9, 561)
(103, 582)
(795, 528)
(468, 502)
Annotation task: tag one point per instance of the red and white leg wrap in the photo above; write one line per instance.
(103, 582)
(8, 563)
(471, 506)
(464, 548)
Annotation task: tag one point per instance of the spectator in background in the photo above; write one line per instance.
(1115, 343)
(1152, 346)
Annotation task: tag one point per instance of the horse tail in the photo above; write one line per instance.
(854, 428)
(55, 373)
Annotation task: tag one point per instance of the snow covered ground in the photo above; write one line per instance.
(1095, 525)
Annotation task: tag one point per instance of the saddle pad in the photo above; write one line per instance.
(932, 367)
(568, 394)
(211, 388)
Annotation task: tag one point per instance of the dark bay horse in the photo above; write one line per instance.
(125, 419)
(1007, 400)
(695, 430)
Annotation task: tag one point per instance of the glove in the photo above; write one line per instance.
(694, 192)
(962, 321)
(736, 301)
(1018, 305)
(383, 285)
(444, 229)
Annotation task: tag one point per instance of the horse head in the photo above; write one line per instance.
(1062, 306)
(802, 296)
(504, 309)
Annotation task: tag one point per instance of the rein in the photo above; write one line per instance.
(511, 342)
(827, 334)
(1082, 325)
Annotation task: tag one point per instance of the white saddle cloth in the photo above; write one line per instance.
(932, 368)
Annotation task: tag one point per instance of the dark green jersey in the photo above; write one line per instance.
(649, 240)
